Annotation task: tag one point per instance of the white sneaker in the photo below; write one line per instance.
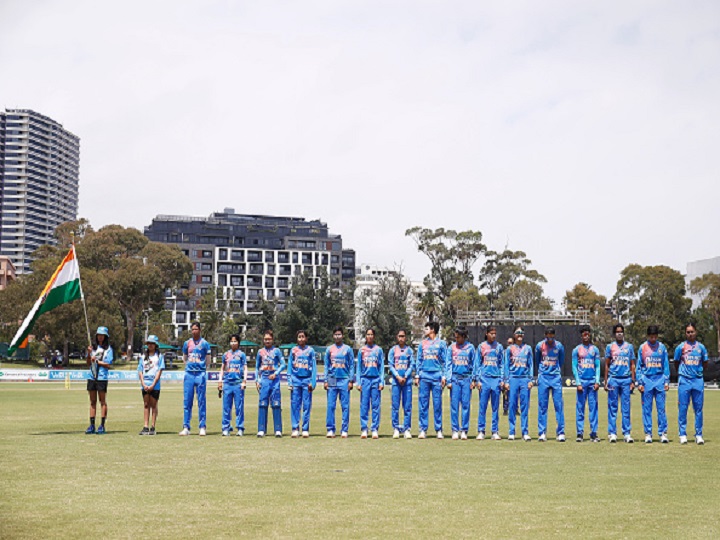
(496, 436)
(455, 436)
(202, 432)
(225, 433)
(260, 433)
(699, 439)
(648, 439)
(511, 437)
(664, 438)
(343, 435)
(363, 435)
(560, 438)
(421, 435)
(375, 435)
(305, 434)
(408, 435)
(295, 434)
(480, 436)
(440, 435)
(526, 438)
(330, 434)
(278, 434)
(683, 439)
(396, 434)
(239, 433)
(463, 435)
(629, 439)
(185, 432)
(542, 438)
(612, 438)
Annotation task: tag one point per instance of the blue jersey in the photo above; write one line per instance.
(431, 355)
(518, 362)
(652, 361)
(303, 364)
(339, 363)
(234, 363)
(401, 362)
(149, 367)
(490, 360)
(691, 357)
(549, 358)
(370, 363)
(586, 364)
(621, 356)
(104, 355)
(460, 360)
(268, 362)
(196, 352)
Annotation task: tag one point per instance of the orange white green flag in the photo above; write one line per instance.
(63, 287)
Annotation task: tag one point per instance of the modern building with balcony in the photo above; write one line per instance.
(248, 258)
(7, 272)
(39, 177)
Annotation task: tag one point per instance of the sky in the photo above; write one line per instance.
(583, 133)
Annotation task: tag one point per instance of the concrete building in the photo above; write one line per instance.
(7, 272)
(696, 269)
(39, 175)
(248, 257)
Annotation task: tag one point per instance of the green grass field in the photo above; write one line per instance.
(57, 482)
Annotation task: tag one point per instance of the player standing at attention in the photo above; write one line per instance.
(504, 388)
(339, 372)
(619, 381)
(401, 361)
(487, 378)
(689, 357)
(653, 380)
(232, 383)
(550, 357)
(459, 369)
(150, 368)
(371, 380)
(99, 359)
(196, 352)
(430, 377)
(586, 371)
(269, 364)
(302, 374)
(518, 375)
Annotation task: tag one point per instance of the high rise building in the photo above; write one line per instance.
(248, 257)
(39, 173)
(696, 269)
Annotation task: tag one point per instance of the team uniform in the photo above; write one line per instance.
(148, 367)
(401, 362)
(268, 362)
(430, 367)
(586, 371)
(302, 374)
(371, 378)
(621, 356)
(234, 364)
(518, 373)
(653, 373)
(98, 381)
(488, 372)
(459, 370)
(691, 386)
(339, 373)
(550, 360)
(195, 379)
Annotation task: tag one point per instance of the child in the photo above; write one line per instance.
(232, 382)
(150, 368)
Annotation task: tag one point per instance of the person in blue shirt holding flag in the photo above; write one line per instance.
(619, 382)
(232, 383)
(550, 357)
(586, 372)
(269, 364)
(339, 375)
(653, 378)
(518, 376)
(488, 378)
(401, 361)
(459, 370)
(370, 375)
(100, 359)
(196, 352)
(430, 378)
(302, 376)
(689, 357)
(150, 368)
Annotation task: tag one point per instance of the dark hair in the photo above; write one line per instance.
(236, 336)
(550, 330)
(195, 323)
(489, 328)
(147, 350)
(462, 331)
(370, 330)
(106, 341)
(653, 329)
(689, 325)
(401, 330)
(268, 332)
(434, 325)
(303, 332)
(339, 329)
(620, 326)
(585, 328)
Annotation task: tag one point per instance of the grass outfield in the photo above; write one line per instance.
(57, 482)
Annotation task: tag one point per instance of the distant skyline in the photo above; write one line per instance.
(582, 134)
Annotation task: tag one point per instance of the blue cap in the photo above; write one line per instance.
(153, 339)
(102, 331)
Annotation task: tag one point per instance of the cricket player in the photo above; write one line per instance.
(269, 364)
(653, 377)
(401, 362)
(459, 369)
(339, 376)
(232, 383)
(196, 353)
(619, 382)
(302, 376)
(586, 372)
(518, 376)
(487, 378)
(370, 376)
(550, 357)
(100, 359)
(430, 378)
(689, 357)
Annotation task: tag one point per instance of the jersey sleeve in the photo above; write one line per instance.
(576, 375)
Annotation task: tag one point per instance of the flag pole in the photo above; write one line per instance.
(82, 295)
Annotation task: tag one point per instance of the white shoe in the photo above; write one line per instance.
(185, 432)
(511, 437)
(363, 435)
(343, 435)
(421, 435)
(699, 440)
(463, 436)
(396, 434)
(629, 439)
(683, 439)
(526, 438)
(408, 435)
(239, 433)
(305, 434)
(260, 433)
(295, 433)
(202, 432)
(278, 434)
(664, 439)
(375, 435)
(542, 438)
(612, 438)
(330, 434)
(440, 435)
(480, 436)
(225, 433)
(496, 436)
(455, 436)
(648, 439)
(560, 438)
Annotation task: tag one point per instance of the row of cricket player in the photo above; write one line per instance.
(489, 368)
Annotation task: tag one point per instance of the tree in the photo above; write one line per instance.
(582, 297)
(524, 295)
(648, 295)
(708, 286)
(385, 308)
(502, 271)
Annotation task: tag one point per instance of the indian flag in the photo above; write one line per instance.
(63, 287)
